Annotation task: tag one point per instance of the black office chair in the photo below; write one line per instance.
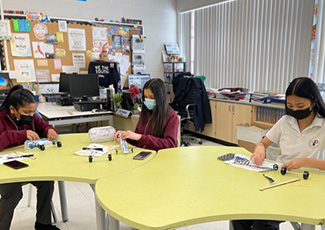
(185, 109)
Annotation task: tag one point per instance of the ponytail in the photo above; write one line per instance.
(18, 97)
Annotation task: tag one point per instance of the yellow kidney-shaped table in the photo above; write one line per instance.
(62, 164)
(186, 186)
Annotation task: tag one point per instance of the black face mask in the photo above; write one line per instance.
(25, 120)
(299, 114)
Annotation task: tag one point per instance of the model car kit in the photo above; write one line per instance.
(29, 144)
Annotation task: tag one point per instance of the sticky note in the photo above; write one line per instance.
(22, 25)
(15, 25)
(27, 25)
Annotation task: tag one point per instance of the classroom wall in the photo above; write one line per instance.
(159, 19)
(185, 5)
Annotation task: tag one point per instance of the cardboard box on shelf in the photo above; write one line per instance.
(251, 134)
(134, 31)
(249, 146)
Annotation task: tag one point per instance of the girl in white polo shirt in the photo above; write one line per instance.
(301, 135)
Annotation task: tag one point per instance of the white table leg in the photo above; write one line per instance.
(113, 224)
(63, 201)
(230, 225)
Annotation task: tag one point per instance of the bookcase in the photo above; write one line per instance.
(171, 69)
(266, 117)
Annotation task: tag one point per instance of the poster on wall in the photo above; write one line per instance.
(117, 42)
(77, 39)
(78, 59)
(62, 26)
(25, 71)
(99, 34)
(5, 32)
(51, 39)
(42, 75)
(38, 49)
(40, 29)
(20, 45)
(98, 45)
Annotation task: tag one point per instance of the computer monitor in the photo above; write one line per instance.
(138, 80)
(5, 83)
(64, 85)
(84, 85)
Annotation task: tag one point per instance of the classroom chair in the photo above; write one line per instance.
(185, 109)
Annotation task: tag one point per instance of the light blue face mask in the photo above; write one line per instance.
(150, 103)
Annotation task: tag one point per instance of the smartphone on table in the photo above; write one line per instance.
(227, 157)
(141, 156)
(16, 164)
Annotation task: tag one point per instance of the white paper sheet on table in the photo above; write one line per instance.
(15, 155)
(96, 153)
(267, 165)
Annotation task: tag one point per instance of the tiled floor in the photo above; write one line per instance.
(81, 207)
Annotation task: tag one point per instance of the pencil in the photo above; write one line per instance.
(283, 183)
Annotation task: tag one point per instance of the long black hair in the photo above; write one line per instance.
(306, 88)
(159, 115)
(18, 97)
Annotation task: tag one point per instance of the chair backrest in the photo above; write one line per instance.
(189, 99)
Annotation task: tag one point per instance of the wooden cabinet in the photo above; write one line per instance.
(228, 116)
(224, 121)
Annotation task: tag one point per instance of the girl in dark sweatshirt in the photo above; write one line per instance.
(158, 123)
(18, 123)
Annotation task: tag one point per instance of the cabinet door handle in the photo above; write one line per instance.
(229, 108)
(233, 108)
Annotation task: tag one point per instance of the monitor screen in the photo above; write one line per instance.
(138, 80)
(64, 86)
(84, 85)
(5, 83)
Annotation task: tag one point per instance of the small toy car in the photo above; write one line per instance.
(41, 144)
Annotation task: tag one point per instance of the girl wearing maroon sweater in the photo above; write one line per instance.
(18, 123)
(158, 124)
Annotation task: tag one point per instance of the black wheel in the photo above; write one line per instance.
(275, 167)
(59, 144)
(42, 147)
(283, 170)
(305, 175)
(109, 157)
(200, 142)
(90, 159)
(53, 142)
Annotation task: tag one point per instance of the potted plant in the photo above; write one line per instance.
(135, 94)
(118, 100)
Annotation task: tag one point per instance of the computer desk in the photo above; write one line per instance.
(61, 164)
(65, 115)
(189, 185)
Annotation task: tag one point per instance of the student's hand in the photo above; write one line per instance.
(51, 135)
(295, 164)
(127, 135)
(31, 135)
(259, 155)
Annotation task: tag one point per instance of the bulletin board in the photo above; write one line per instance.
(63, 55)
